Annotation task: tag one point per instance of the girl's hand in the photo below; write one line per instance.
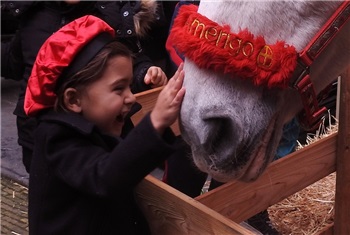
(155, 76)
(167, 107)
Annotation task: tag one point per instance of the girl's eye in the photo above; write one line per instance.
(119, 88)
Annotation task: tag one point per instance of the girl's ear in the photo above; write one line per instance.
(71, 99)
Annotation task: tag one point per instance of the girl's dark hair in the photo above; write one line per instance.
(91, 72)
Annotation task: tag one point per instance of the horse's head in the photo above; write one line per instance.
(232, 123)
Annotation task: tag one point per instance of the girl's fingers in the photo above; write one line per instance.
(177, 74)
(179, 80)
(178, 71)
(179, 97)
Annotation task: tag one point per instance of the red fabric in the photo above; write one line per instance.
(172, 51)
(214, 47)
(56, 54)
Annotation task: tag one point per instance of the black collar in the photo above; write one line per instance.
(75, 120)
(72, 120)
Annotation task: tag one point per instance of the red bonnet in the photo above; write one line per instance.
(57, 55)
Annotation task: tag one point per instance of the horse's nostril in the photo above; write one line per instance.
(220, 134)
(223, 143)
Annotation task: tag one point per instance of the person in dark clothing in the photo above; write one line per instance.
(37, 20)
(83, 173)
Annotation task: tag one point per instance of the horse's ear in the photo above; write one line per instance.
(72, 100)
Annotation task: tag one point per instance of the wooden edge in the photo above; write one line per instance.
(342, 195)
(148, 99)
(170, 212)
(150, 91)
(328, 230)
(283, 178)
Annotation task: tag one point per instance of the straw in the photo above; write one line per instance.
(310, 210)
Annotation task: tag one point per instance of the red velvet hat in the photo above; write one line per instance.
(63, 54)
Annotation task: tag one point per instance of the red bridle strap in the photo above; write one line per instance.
(312, 114)
(215, 47)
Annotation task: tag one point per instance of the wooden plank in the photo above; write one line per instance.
(239, 200)
(170, 212)
(342, 196)
(148, 99)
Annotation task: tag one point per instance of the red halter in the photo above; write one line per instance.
(214, 47)
(311, 117)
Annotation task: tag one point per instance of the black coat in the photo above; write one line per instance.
(82, 181)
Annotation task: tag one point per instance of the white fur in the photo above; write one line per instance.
(234, 127)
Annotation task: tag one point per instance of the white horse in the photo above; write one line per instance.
(232, 122)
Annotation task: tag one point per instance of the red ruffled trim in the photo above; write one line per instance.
(247, 61)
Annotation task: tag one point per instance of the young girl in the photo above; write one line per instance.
(137, 24)
(83, 174)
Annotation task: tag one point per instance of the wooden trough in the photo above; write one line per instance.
(170, 212)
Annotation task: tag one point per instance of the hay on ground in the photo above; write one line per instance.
(310, 210)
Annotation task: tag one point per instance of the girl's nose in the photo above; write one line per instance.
(130, 98)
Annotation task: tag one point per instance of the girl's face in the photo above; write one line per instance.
(108, 100)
